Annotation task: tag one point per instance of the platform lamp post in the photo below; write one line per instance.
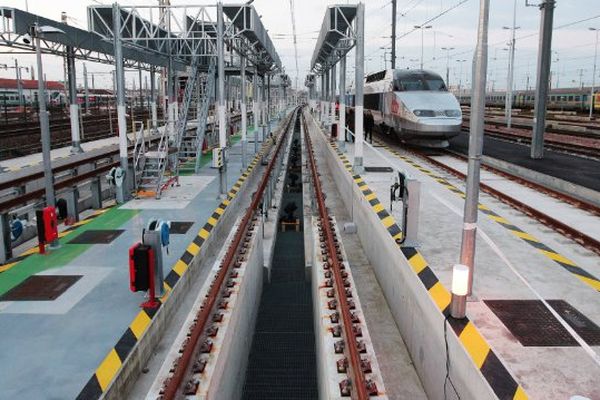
(448, 50)
(36, 33)
(422, 28)
(460, 291)
(597, 30)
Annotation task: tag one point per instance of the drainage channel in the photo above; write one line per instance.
(282, 361)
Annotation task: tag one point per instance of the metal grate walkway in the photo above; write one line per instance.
(282, 363)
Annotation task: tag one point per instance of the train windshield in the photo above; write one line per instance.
(419, 83)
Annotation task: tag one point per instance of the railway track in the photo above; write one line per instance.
(65, 176)
(357, 386)
(584, 240)
(183, 379)
(185, 375)
(16, 140)
(590, 150)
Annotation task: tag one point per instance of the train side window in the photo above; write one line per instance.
(570, 98)
(585, 98)
(577, 98)
(372, 101)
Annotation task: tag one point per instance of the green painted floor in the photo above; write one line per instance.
(111, 219)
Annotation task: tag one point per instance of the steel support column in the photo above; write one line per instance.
(269, 105)
(326, 94)
(86, 93)
(359, 85)
(332, 93)
(243, 109)
(153, 98)
(255, 109)
(342, 124)
(44, 125)
(141, 87)
(122, 191)
(73, 106)
(543, 72)
(263, 108)
(221, 100)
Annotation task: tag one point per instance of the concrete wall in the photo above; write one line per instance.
(327, 374)
(140, 354)
(227, 380)
(418, 318)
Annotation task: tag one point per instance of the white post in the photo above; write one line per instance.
(359, 84)
(122, 191)
(342, 124)
(221, 103)
(332, 94)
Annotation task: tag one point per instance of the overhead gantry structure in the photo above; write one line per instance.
(342, 30)
(194, 40)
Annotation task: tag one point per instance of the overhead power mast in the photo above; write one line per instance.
(543, 72)
(394, 10)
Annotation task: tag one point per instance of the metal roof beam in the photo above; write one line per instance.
(336, 37)
(15, 24)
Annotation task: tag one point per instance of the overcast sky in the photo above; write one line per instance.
(573, 42)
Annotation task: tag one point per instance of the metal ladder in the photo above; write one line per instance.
(191, 142)
(152, 178)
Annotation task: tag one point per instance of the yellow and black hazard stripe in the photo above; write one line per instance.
(501, 381)
(551, 254)
(112, 363)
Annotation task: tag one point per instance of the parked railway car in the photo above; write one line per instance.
(574, 99)
(9, 94)
(412, 105)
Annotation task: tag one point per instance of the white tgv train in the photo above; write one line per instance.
(413, 105)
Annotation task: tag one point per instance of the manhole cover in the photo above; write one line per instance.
(180, 227)
(589, 331)
(40, 288)
(379, 169)
(534, 325)
(101, 236)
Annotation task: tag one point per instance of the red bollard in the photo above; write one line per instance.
(141, 273)
(47, 227)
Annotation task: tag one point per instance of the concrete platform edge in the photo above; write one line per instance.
(416, 314)
(568, 188)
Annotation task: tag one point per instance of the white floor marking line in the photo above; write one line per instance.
(506, 261)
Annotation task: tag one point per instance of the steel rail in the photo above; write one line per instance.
(495, 132)
(585, 240)
(182, 365)
(581, 204)
(359, 382)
